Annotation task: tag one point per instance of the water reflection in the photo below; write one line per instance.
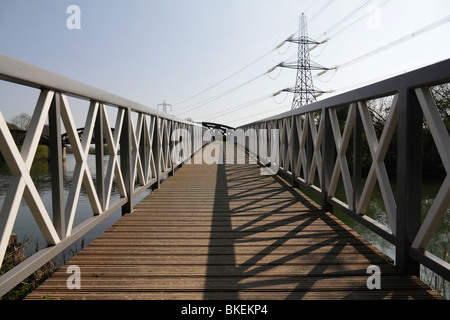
(25, 226)
(439, 244)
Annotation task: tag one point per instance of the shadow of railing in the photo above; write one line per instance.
(271, 244)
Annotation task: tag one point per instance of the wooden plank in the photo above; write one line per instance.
(225, 232)
(222, 283)
(243, 295)
(219, 270)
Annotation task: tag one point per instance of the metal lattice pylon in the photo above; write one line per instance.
(304, 91)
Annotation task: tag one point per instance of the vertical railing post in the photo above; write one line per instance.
(409, 178)
(193, 141)
(357, 157)
(309, 146)
(157, 153)
(192, 149)
(99, 152)
(295, 147)
(258, 141)
(327, 159)
(56, 166)
(126, 160)
(171, 147)
(197, 144)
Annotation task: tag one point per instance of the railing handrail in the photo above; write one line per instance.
(20, 72)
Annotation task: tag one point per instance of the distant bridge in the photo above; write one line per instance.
(80, 132)
(223, 129)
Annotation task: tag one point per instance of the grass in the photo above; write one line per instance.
(15, 254)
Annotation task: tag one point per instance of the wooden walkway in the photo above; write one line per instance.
(226, 232)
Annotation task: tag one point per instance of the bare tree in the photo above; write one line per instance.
(22, 121)
(442, 97)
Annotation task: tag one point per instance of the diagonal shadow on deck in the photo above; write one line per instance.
(268, 239)
(226, 232)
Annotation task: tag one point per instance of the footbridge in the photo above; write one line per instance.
(251, 218)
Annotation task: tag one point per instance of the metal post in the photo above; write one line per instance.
(56, 166)
(99, 152)
(256, 142)
(294, 151)
(409, 178)
(171, 144)
(157, 153)
(357, 157)
(309, 146)
(328, 149)
(193, 141)
(126, 160)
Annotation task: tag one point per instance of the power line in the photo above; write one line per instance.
(335, 25)
(227, 78)
(267, 53)
(291, 39)
(259, 114)
(237, 108)
(394, 43)
(240, 70)
(250, 64)
(321, 10)
(343, 65)
(348, 16)
(209, 100)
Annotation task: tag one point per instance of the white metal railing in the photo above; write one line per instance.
(139, 157)
(313, 150)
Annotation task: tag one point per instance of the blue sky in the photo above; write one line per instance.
(197, 54)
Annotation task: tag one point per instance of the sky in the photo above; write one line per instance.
(209, 59)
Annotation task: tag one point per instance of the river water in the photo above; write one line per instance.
(25, 226)
(439, 244)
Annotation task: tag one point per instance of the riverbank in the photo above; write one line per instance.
(41, 153)
(15, 254)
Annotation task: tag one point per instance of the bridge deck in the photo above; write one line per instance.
(226, 232)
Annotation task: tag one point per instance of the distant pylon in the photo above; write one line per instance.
(304, 91)
(165, 106)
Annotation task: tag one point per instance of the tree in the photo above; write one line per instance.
(22, 121)
(441, 94)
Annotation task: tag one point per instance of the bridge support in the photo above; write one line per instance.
(56, 166)
(157, 153)
(99, 153)
(409, 178)
(126, 161)
(327, 166)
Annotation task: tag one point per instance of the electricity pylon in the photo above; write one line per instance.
(304, 91)
(164, 106)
